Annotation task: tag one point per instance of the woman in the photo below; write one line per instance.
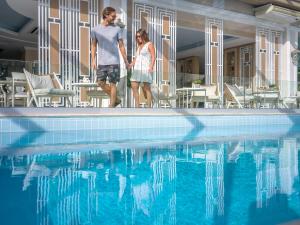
(143, 67)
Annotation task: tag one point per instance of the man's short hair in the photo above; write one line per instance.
(107, 11)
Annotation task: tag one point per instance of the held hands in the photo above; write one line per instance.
(128, 66)
(131, 65)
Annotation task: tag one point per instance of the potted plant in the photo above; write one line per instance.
(199, 81)
(273, 87)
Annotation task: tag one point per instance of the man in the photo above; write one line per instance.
(108, 36)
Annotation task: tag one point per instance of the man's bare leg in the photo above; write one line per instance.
(111, 91)
(105, 87)
(113, 95)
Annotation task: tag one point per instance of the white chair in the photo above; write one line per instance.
(46, 86)
(210, 96)
(234, 97)
(291, 102)
(3, 97)
(18, 94)
(161, 98)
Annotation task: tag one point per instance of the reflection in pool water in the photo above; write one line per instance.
(228, 182)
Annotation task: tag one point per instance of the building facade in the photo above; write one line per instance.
(246, 41)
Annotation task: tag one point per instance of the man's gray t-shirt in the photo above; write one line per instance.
(107, 38)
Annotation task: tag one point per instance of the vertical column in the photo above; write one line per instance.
(289, 67)
(214, 53)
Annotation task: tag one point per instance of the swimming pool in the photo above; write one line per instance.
(247, 174)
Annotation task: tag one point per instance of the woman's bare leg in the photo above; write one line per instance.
(147, 90)
(135, 92)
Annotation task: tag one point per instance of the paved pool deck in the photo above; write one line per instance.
(91, 112)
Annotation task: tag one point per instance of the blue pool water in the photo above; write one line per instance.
(213, 178)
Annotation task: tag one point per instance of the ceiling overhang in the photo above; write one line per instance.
(289, 4)
(278, 14)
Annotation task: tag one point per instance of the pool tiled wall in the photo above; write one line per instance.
(27, 124)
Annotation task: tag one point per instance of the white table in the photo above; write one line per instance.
(267, 97)
(89, 85)
(186, 92)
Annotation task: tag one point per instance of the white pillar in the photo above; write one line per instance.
(289, 72)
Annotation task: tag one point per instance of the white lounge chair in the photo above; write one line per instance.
(46, 86)
(234, 97)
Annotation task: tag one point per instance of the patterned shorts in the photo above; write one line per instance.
(112, 72)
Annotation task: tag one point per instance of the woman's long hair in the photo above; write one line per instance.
(143, 34)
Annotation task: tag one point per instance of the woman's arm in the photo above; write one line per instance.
(134, 58)
(152, 53)
(133, 61)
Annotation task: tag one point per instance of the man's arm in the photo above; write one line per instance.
(94, 49)
(123, 52)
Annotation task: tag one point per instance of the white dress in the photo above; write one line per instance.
(140, 71)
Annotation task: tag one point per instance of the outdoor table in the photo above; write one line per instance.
(263, 95)
(186, 92)
(81, 85)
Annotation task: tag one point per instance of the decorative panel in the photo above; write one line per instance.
(276, 44)
(166, 25)
(144, 20)
(84, 50)
(165, 61)
(268, 57)
(166, 50)
(161, 26)
(64, 42)
(246, 66)
(214, 53)
(54, 8)
(100, 9)
(84, 11)
(54, 29)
